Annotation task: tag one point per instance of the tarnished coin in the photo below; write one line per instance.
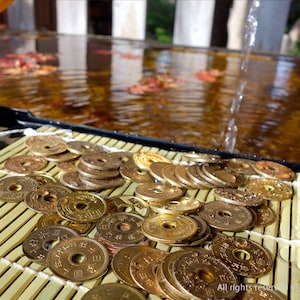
(265, 215)
(72, 180)
(100, 184)
(274, 170)
(68, 166)
(55, 219)
(255, 291)
(48, 147)
(226, 216)
(121, 263)
(113, 291)
(38, 243)
(42, 178)
(241, 165)
(83, 147)
(201, 157)
(25, 163)
(37, 139)
(238, 197)
(177, 207)
(270, 189)
(81, 207)
(121, 228)
(143, 268)
(200, 275)
(144, 159)
(158, 192)
(14, 188)
(168, 228)
(155, 169)
(133, 173)
(245, 257)
(44, 199)
(78, 259)
(87, 172)
(62, 157)
(101, 161)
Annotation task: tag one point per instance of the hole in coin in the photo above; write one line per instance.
(26, 164)
(50, 197)
(81, 206)
(158, 190)
(49, 244)
(206, 276)
(241, 254)
(15, 188)
(123, 227)
(269, 188)
(224, 214)
(78, 258)
(169, 225)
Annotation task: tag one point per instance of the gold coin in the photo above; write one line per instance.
(133, 173)
(201, 157)
(169, 176)
(226, 216)
(37, 244)
(270, 189)
(245, 257)
(14, 188)
(182, 175)
(144, 159)
(100, 184)
(155, 170)
(274, 170)
(265, 215)
(37, 139)
(101, 161)
(121, 263)
(81, 207)
(62, 157)
(68, 166)
(158, 192)
(78, 259)
(168, 228)
(143, 269)
(42, 179)
(87, 172)
(25, 163)
(241, 165)
(113, 291)
(48, 147)
(121, 228)
(83, 147)
(198, 179)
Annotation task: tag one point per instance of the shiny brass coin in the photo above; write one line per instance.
(135, 174)
(14, 188)
(199, 275)
(62, 157)
(55, 219)
(158, 192)
(78, 259)
(100, 184)
(255, 291)
(274, 170)
(81, 207)
(37, 139)
(101, 161)
(155, 170)
(143, 269)
(182, 175)
(168, 228)
(270, 189)
(221, 175)
(226, 216)
(177, 207)
(48, 147)
(38, 243)
(198, 179)
(201, 157)
(245, 257)
(113, 291)
(68, 166)
(168, 173)
(241, 165)
(144, 159)
(42, 179)
(83, 147)
(25, 163)
(265, 215)
(73, 181)
(238, 197)
(121, 227)
(87, 172)
(44, 198)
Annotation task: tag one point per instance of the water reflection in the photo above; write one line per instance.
(91, 85)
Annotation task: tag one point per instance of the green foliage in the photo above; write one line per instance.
(160, 20)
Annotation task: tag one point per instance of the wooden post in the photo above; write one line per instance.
(193, 22)
(72, 17)
(129, 19)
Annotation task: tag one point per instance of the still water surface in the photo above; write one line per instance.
(172, 93)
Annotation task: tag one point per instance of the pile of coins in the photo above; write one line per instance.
(81, 234)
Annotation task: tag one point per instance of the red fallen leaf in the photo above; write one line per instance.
(141, 89)
(204, 76)
(103, 52)
(130, 56)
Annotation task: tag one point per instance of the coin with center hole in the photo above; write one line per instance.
(81, 207)
(101, 161)
(83, 147)
(144, 159)
(38, 243)
(42, 179)
(25, 163)
(241, 165)
(48, 147)
(133, 173)
(78, 259)
(14, 188)
(245, 257)
(72, 180)
(87, 172)
(226, 216)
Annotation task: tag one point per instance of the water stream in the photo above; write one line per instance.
(248, 44)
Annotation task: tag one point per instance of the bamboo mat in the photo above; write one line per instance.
(22, 279)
